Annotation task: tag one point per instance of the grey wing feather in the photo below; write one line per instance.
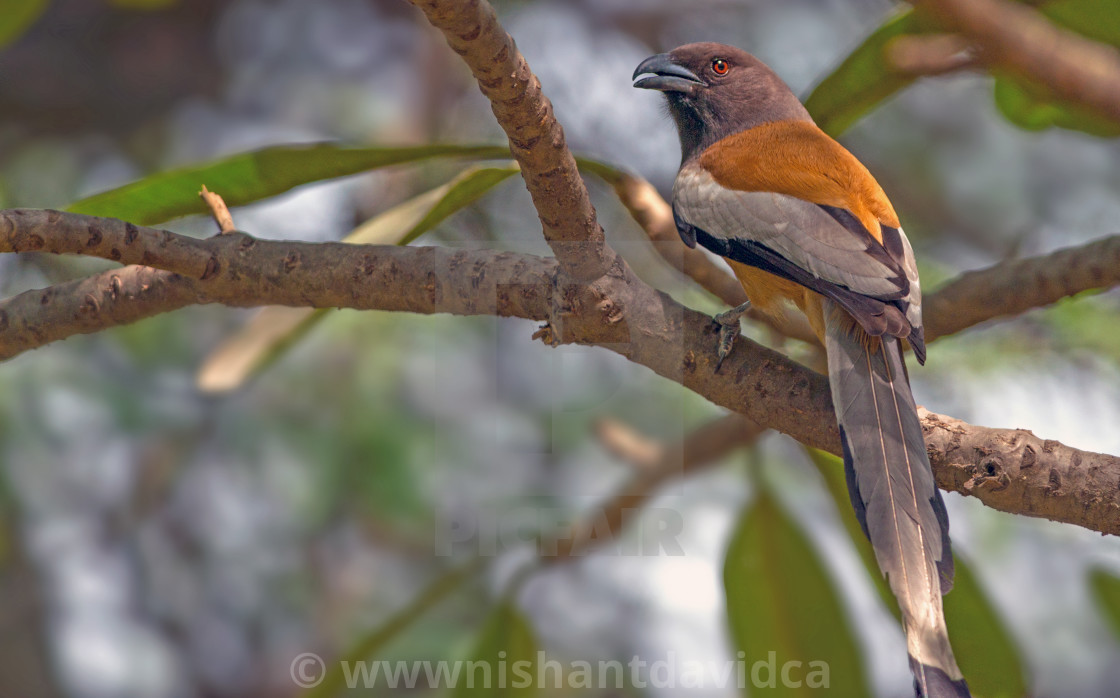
(799, 231)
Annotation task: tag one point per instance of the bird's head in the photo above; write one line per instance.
(716, 90)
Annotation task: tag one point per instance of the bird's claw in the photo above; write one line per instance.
(728, 322)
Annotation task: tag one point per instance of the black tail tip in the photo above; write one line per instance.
(931, 682)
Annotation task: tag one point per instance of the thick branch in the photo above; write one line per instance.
(1010, 288)
(535, 137)
(1014, 470)
(1021, 40)
(237, 270)
(617, 311)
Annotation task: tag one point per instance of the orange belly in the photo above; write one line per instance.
(768, 293)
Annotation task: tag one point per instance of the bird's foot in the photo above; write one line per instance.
(728, 322)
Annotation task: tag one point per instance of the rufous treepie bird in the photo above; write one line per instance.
(800, 219)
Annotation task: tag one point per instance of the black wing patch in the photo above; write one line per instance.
(875, 316)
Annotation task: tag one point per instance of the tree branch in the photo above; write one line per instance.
(237, 270)
(1014, 470)
(590, 298)
(698, 449)
(535, 137)
(1021, 40)
(1014, 287)
(930, 54)
(617, 311)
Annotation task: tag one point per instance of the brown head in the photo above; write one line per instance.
(716, 90)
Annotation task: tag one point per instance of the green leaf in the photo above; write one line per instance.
(832, 470)
(1106, 588)
(274, 329)
(1098, 20)
(17, 16)
(863, 79)
(985, 652)
(783, 607)
(247, 177)
(1031, 107)
(504, 661)
(370, 646)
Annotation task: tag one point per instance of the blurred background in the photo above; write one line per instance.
(158, 541)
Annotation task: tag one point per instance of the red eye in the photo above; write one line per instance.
(720, 66)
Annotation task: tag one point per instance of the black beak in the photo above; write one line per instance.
(666, 75)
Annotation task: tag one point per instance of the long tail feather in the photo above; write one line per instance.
(892, 489)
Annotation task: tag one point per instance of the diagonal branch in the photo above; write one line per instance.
(1020, 39)
(591, 297)
(696, 450)
(535, 137)
(1014, 287)
(618, 312)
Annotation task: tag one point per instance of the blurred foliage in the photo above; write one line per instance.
(1085, 322)
(17, 16)
(783, 606)
(144, 5)
(506, 656)
(865, 78)
(371, 647)
(1105, 587)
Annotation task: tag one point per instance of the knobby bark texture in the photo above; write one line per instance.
(617, 312)
(586, 296)
(238, 270)
(535, 136)
(1016, 286)
(1012, 469)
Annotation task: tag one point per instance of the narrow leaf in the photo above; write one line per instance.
(986, 654)
(783, 608)
(985, 651)
(504, 661)
(247, 177)
(1106, 589)
(334, 680)
(17, 16)
(272, 330)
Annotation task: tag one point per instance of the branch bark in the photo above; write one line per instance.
(590, 297)
(1021, 40)
(237, 270)
(616, 311)
(1014, 287)
(535, 137)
